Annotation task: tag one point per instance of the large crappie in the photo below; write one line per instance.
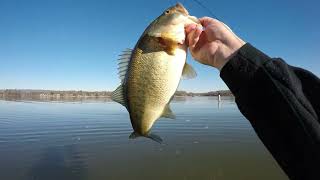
(151, 72)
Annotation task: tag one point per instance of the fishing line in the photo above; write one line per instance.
(206, 8)
(213, 15)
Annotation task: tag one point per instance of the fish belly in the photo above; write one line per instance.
(152, 81)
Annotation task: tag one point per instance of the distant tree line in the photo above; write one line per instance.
(17, 93)
(211, 93)
(22, 93)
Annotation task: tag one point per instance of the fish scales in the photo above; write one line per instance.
(151, 72)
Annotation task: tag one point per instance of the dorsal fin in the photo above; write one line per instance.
(123, 63)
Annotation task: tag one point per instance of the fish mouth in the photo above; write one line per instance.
(181, 9)
(194, 19)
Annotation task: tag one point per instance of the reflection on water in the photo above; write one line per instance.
(59, 163)
(76, 140)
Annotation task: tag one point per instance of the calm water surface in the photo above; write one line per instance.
(89, 140)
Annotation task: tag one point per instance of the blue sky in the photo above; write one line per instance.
(74, 44)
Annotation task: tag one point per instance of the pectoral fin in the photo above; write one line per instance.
(188, 72)
(167, 113)
(168, 41)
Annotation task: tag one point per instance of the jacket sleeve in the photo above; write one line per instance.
(282, 104)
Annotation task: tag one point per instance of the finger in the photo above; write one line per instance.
(194, 36)
(227, 27)
(205, 21)
(201, 41)
(189, 37)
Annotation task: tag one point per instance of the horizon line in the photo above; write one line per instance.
(1, 89)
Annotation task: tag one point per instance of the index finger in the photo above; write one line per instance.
(205, 21)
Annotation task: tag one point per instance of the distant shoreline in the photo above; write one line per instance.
(21, 94)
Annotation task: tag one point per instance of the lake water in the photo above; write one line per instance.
(89, 140)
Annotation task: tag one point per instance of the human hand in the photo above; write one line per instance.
(213, 44)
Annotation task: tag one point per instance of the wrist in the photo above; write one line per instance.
(227, 52)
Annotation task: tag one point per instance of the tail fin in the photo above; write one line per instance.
(152, 136)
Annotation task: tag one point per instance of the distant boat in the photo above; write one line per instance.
(219, 98)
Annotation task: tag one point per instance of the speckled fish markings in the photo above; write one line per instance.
(150, 73)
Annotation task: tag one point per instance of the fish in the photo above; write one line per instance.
(150, 72)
